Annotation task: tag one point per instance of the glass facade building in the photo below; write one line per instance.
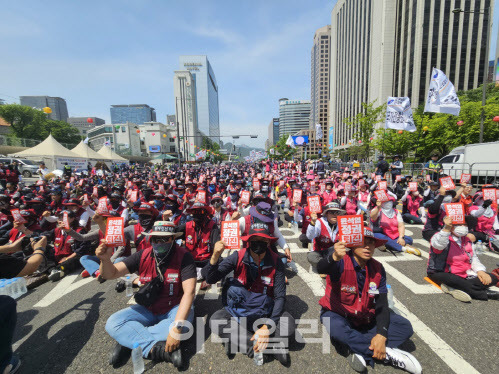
(133, 113)
(57, 104)
(293, 116)
(206, 94)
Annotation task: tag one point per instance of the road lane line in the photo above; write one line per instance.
(63, 287)
(314, 281)
(419, 289)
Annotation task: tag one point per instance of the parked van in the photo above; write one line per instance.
(27, 168)
(481, 160)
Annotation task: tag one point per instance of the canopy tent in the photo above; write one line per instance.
(164, 157)
(83, 150)
(108, 154)
(54, 154)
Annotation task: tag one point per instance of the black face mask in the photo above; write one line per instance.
(145, 221)
(198, 218)
(115, 204)
(258, 247)
(38, 208)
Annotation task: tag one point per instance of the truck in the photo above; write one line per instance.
(481, 160)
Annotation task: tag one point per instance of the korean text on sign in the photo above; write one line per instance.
(314, 204)
(381, 195)
(115, 235)
(456, 212)
(489, 194)
(447, 183)
(382, 185)
(351, 230)
(245, 197)
(230, 234)
(465, 178)
(297, 195)
(16, 215)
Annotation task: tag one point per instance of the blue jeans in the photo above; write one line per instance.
(92, 263)
(137, 324)
(358, 339)
(392, 244)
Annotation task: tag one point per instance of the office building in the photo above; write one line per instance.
(57, 104)
(134, 113)
(206, 94)
(293, 116)
(171, 120)
(273, 132)
(319, 88)
(186, 114)
(83, 125)
(158, 138)
(122, 138)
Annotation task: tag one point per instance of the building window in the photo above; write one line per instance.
(172, 149)
(172, 140)
(123, 129)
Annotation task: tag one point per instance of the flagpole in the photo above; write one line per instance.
(383, 143)
(417, 142)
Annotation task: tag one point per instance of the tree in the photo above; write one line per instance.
(30, 123)
(284, 151)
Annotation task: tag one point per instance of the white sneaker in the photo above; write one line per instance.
(412, 251)
(56, 274)
(357, 362)
(456, 294)
(403, 360)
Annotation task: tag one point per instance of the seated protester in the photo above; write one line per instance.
(28, 228)
(12, 266)
(220, 213)
(430, 194)
(303, 216)
(421, 184)
(117, 207)
(83, 215)
(455, 266)
(328, 195)
(156, 325)
(466, 197)
(200, 236)
(412, 212)
(256, 293)
(147, 215)
(322, 232)
(363, 197)
(355, 308)
(350, 203)
(390, 227)
(436, 213)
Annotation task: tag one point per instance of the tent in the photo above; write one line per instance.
(83, 150)
(54, 154)
(108, 154)
(164, 157)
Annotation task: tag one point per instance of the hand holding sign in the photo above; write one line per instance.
(381, 196)
(465, 178)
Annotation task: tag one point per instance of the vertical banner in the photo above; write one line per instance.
(102, 206)
(65, 220)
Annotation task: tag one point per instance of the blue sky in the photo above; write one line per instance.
(98, 53)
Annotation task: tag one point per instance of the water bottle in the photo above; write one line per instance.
(479, 248)
(257, 356)
(23, 285)
(129, 290)
(390, 296)
(137, 359)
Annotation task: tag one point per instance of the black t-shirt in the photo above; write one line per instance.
(187, 268)
(10, 266)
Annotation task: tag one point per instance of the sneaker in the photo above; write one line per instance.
(13, 366)
(412, 251)
(403, 360)
(456, 294)
(382, 249)
(85, 274)
(357, 363)
(56, 274)
(119, 355)
(99, 277)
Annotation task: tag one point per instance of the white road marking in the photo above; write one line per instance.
(213, 292)
(314, 281)
(409, 233)
(63, 287)
(446, 353)
(419, 289)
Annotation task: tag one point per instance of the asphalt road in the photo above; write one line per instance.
(61, 325)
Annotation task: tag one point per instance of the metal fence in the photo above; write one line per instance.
(28, 143)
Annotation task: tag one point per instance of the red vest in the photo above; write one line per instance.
(485, 224)
(306, 219)
(200, 247)
(342, 297)
(264, 282)
(172, 291)
(62, 245)
(16, 234)
(324, 240)
(143, 243)
(351, 205)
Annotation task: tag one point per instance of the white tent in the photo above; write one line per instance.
(108, 154)
(54, 154)
(83, 150)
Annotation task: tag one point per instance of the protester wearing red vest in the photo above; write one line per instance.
(159, 326)
(253, 299)
(355, 308)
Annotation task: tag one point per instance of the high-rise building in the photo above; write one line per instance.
(319, 89)
(134, 113)
(206, 94)
(293, 116)
(83, 125)
(57, 104)
(273, 132)
(186, 114)
(429, 34)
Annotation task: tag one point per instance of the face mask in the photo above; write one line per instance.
(447, 199)
(198, 218)
(217, 204)
(162, 249)
(387, 205)
(115, 203)
(145, 221)
(258, 247)
(460, 231)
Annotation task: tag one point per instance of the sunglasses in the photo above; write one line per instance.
(165, 239)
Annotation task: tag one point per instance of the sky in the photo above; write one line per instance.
(98, 53)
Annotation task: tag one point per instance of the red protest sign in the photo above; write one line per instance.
(381, 195)
(65, 220)
(68, 186)
(161, 189)
(201, 197)
(351, 230)
(102, 206)
(345, 175)
(465, 178)
(362, 182)
(314, 204)
(281, 184)
(259, 175)
(115, 234)
(80, 183)
(256, 184)
(72, 179)
(41, 189)
(382, 185)
(297, 194)
(489, 194)
(230, 234)
(348, 187)
(134, 196)
(373, 176)
(86, 200)
(322, 187)
(447, 183)
(456, 212)
(129, 184)
(398, 178)
(16, 214)
(361, 174)
(413, 186)
(150, 184)
(94, 191)
(245, 197)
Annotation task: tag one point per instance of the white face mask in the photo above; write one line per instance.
(460, 231)
(387, 205)
(447, 199)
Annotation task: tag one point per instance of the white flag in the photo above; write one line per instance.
(86, 140)
(442, 97)
(271, 151)
(290, 142)
(318, 131)
(399, 114)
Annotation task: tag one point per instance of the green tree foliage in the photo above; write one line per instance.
(284, 152)
(32, 123)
